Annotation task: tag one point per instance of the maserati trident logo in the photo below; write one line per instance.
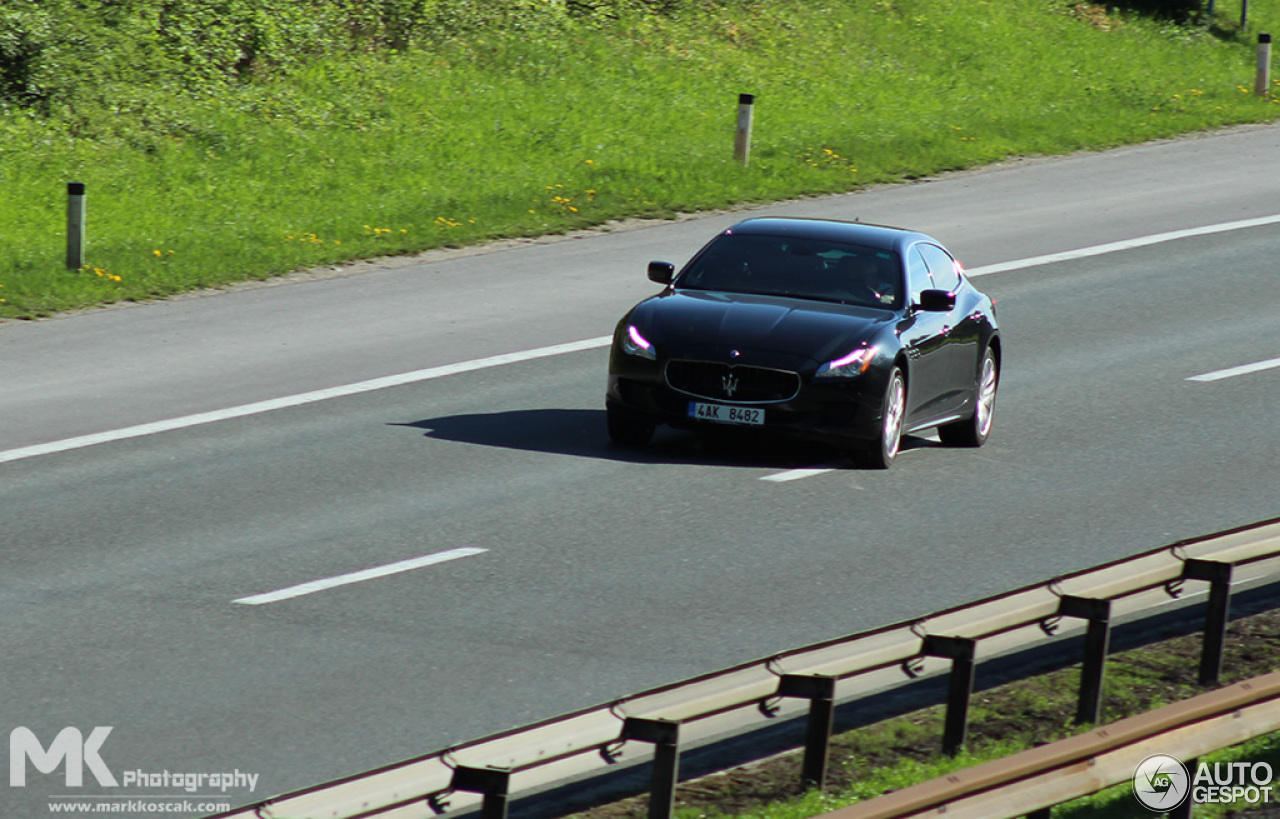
(730, 384)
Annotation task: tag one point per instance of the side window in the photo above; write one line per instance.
(917, 274)
(942, 266)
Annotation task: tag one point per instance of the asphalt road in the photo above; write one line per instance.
(591, 572)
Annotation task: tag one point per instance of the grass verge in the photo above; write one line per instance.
(516, 133)
(896, 753)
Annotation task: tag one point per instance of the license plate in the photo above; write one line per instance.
(724, 414)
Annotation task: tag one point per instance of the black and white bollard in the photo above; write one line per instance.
(742, 139)
(75, 225)
(1262, 84)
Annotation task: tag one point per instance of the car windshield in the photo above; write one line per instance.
(797, 268)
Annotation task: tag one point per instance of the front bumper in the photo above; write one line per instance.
(847, 411)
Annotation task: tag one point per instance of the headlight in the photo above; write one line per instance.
(635, 344)
(854, 364)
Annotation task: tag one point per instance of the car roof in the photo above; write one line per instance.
(881, 237)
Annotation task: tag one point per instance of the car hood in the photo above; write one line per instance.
(765, 329)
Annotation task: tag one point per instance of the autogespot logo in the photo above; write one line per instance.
(1161, 782)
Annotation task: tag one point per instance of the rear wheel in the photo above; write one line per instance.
(884, 450)
(975, 430)
(628, 428)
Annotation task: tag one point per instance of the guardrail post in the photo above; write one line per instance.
(1183, 811)
(820, 691)
(1218, 575)
(494, 783)
(665, 736)
(1097, 643)
(960, 650)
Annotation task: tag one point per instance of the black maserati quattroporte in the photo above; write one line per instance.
(854, 333)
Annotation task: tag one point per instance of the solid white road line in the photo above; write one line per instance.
(1243, 369)
(358, 577)
(1129, 244)
(300, 399)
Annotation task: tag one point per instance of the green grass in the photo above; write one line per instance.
(532, 132)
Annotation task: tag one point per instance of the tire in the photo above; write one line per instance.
(884, 450)
(627, 428)
(974, 431)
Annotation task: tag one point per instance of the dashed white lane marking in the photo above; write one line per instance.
(796, 474)
(299, 399)
(359, 577)
(1243, 369)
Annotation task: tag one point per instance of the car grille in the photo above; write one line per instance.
(725, 382)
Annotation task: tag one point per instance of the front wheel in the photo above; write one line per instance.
(974, 431)
(884, 450)
(628, 428)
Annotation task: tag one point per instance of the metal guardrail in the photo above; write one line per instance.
(1032, 782)
(657, 724)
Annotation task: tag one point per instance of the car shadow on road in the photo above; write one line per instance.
(583, 433)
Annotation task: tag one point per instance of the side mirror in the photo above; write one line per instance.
(662, 272)
(937, 301)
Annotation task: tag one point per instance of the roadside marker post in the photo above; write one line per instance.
(75, 225)
(1262, 83)
(742, 140)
